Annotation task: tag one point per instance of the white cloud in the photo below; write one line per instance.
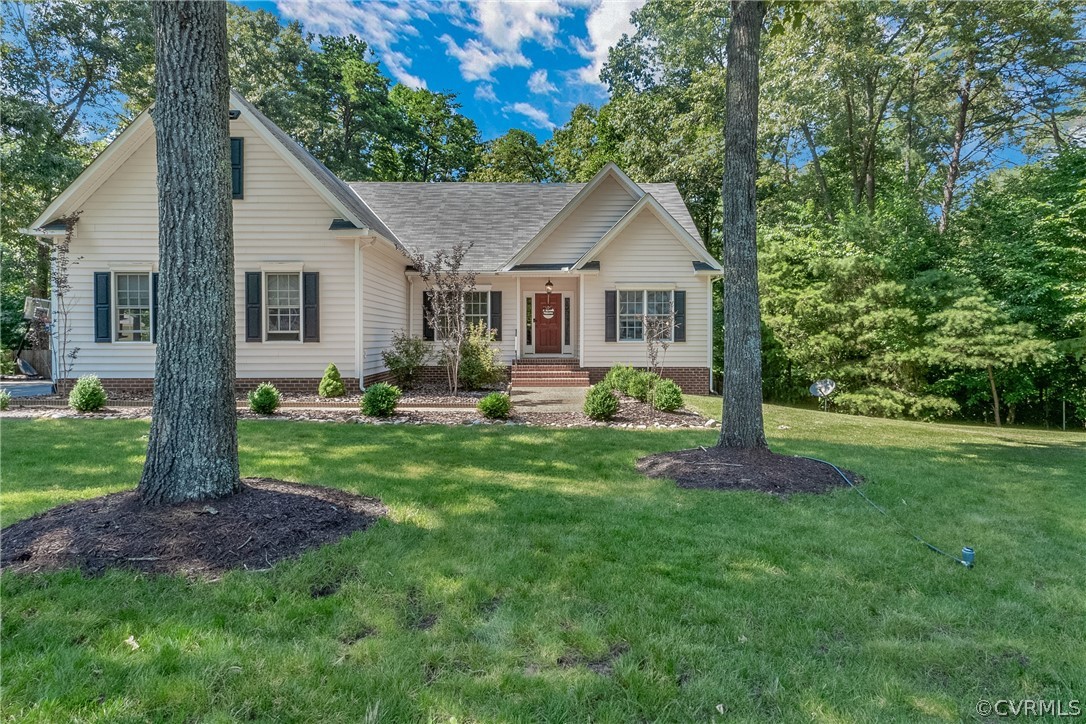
(537, 116)
(478, 61)
(485, 92)
(381, 24)
(538, 83)
(505, 24)
(607, 21)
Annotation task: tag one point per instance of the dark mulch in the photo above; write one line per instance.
(267, 521)
(760, 470)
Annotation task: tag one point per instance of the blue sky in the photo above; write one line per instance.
(512, 63)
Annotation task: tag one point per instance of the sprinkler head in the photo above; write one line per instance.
(967, 557)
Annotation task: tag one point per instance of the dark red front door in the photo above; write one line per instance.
(548, 323)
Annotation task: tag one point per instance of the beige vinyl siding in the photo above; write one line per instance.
(597, 213)
(281, 219)
(646, 255)
(384, 299)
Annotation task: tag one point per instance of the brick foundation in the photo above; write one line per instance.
(144, 386)
(428, 375)
(693, 380)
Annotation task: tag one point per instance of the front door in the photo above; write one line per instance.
(548, 323)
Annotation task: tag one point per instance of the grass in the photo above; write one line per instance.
(534, 553)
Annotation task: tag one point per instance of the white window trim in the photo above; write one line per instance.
(645, 304)
(115, 307)
(489, 309)
(284, 268)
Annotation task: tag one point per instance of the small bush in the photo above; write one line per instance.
(5, 400)
(872, 402)
(667, 396)
(331, 384)
(380, 399)
(265, 399)
(7, 363)
(480, 363)
(618, 378)
(87, 394)
(405, 357)
(600, 403)
(640, 385)
(496, 406)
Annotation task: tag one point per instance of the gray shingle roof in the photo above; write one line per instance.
(499, 218)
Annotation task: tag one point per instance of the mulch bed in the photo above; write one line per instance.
(267, 521)
(760, 470)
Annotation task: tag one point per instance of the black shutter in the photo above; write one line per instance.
(311, 307)
(237, 157)
(427, 328)
(680, 316)
(496, 314)
(103, 331)
(154, 307)
(253, 306)
(566, 300)
(610, 316)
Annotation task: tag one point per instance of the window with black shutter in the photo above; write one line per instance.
(237, 159)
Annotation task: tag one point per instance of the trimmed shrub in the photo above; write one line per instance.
(640, 385)
(331, 384)
(87, 394)
(380, 399)
(600, 403)
(496, 406)
(618, 378)
(5, 400)
(480, 362)
(265, 399)
(405, 357)
(667, 396)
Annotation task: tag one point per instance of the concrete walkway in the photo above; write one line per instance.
(27, 388)
(548, 399)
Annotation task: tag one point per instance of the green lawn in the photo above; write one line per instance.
(536, 552)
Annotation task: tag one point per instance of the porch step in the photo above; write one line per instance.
(548, 373)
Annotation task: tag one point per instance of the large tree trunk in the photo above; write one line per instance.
(193, 449)
(741, 421)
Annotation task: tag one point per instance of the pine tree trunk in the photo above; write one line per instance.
(995, 395)
(741, 421)
(193, 449)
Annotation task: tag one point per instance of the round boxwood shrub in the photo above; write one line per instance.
(87, 394)
(265, 399)
(618, 378)
(380, 399)
(331, 384)
(5, 400)
(640, 385)
(667, 396)
(496, 406)
(600, 403)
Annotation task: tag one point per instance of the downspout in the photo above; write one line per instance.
(712, 332)
(580, 322)
(359, 328)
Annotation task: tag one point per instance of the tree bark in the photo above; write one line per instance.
(192, 453)
(995, 395)
(741, 420)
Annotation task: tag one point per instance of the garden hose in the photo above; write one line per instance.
(967, 553)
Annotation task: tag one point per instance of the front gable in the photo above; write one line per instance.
(587, 216)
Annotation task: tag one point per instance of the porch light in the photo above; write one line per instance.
(549, 286)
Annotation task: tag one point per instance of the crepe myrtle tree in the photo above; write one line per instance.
(192, 452)
(658, 338)
(446, 282)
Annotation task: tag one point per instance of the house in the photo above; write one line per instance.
(565, 271)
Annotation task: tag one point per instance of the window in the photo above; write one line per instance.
(133, 307)
(637, 307)
(477, 308)
(284, 307)
(528, 318)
